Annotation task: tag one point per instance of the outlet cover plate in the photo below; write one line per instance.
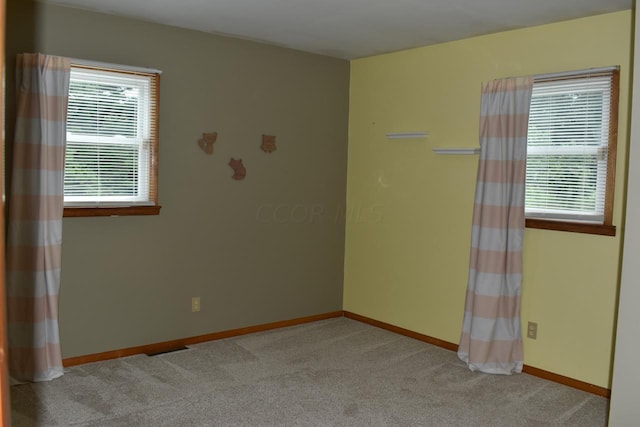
(532, 330)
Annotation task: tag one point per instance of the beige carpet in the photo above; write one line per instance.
(337, 372)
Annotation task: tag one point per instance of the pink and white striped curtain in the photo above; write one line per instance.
(36, 203)
(491, 338)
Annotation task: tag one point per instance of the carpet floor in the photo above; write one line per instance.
(336, 372)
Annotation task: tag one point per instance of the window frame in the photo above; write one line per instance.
(606, 228)
(117, 208)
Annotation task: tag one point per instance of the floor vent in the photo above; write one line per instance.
(172, 350)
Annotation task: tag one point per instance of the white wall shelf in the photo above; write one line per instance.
(457, 150)
(407, 135)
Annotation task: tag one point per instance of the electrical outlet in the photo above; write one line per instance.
(195, 304)
(532, 330)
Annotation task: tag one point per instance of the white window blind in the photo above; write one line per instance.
(111, 138)
(568, 149)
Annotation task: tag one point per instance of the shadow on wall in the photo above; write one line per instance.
(21, 24)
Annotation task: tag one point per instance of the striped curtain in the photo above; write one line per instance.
(36, 203)
(491, 338)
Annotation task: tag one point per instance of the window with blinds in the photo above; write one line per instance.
(112, 141)
(571, 149)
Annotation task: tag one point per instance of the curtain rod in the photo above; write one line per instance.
(575, 73)
(99, 64)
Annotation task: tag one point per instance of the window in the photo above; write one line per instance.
(112, 143)
(571, 152)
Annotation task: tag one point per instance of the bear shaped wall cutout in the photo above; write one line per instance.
(239, 171)
(206, 142)
(268, 143)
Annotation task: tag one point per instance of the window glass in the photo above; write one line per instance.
(569, 144)
(111, 149)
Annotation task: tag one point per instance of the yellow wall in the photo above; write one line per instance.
(409, 210)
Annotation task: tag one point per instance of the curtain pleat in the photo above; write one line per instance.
(491, 339)
(36, 204)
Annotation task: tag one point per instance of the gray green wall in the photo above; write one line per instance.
(265, 249)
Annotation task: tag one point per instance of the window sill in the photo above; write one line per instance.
(112, 211)
(574, 227)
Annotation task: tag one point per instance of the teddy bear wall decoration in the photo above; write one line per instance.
(268, 143)
(239, 171)
(206, 142)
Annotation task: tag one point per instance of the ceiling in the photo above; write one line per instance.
(351, 28)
